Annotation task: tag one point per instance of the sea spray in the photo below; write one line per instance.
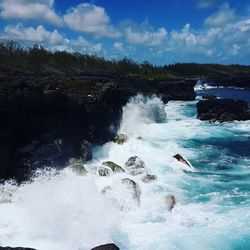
(66, 211)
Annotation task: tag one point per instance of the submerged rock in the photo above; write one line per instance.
(135, 165)
(106, 189)
(171, 201)
(121, 139)
(223, 110)
(110, 246)
(113, 166)
(149, 178)
(134, 187)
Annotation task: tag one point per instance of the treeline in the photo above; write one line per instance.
(40, 60)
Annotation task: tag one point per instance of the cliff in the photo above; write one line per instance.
(45, 120)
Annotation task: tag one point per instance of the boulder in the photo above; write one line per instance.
(110, 246)
(134, 188)
(113, 166)
(171, 201)
(223, 110)
(149, 178)
(121, 139)
(135, 166)
(77, 166)
(104, 171)
(179, 158)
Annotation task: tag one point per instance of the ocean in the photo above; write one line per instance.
(63, 210)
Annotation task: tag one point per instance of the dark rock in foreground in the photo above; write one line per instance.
(46, 120)
(106, 247)
(223, 110)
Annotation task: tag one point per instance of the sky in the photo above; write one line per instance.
(158, 31)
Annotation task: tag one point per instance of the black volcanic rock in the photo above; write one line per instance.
(110, 246)
(240, 80)
(46, 120)
(223, 110)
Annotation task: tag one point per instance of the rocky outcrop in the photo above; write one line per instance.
(149, 178)
(240, 80)
(46, 120)
(110, 246)
(113, 166)
(223, 110)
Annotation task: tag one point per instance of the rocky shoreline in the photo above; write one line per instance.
(48, 119)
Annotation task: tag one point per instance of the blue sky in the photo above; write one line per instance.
(160, 31)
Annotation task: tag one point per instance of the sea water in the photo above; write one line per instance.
(62, 210)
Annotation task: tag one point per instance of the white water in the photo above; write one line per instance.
(65, 211)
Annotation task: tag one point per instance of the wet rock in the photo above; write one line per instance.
(135, 165)
(77, 166)
(223, 110)
(171, 201)
(179, 158)
(104, 171)
(139, 137)
(121, 139)
(110, 246)
(113, 166)
(86, 150)
(134, 187)
(149, 178)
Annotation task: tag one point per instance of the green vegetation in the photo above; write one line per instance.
(38, 59)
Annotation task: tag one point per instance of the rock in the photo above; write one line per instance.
(134, 187)
(209, 97)
(113, 166)
(223, 110)
(179, 158)
(135, 165)
(171, 201)
(16, 248)
(104, 171)
(66, 114)
(139, 137)
(149, 178)
(86, 151)
(121, 139)
(110, 246)
(77, 166)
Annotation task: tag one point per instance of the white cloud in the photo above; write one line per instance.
(119, 46)
(223, 16)
(27, 9)
(30, 34)
(90, 18)
(151, 38)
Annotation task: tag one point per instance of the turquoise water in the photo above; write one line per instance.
(61, 210)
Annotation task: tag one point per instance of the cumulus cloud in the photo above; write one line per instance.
(30, 34)
(221, 17)
(27, 9)
(90, 18)
(145, 37)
